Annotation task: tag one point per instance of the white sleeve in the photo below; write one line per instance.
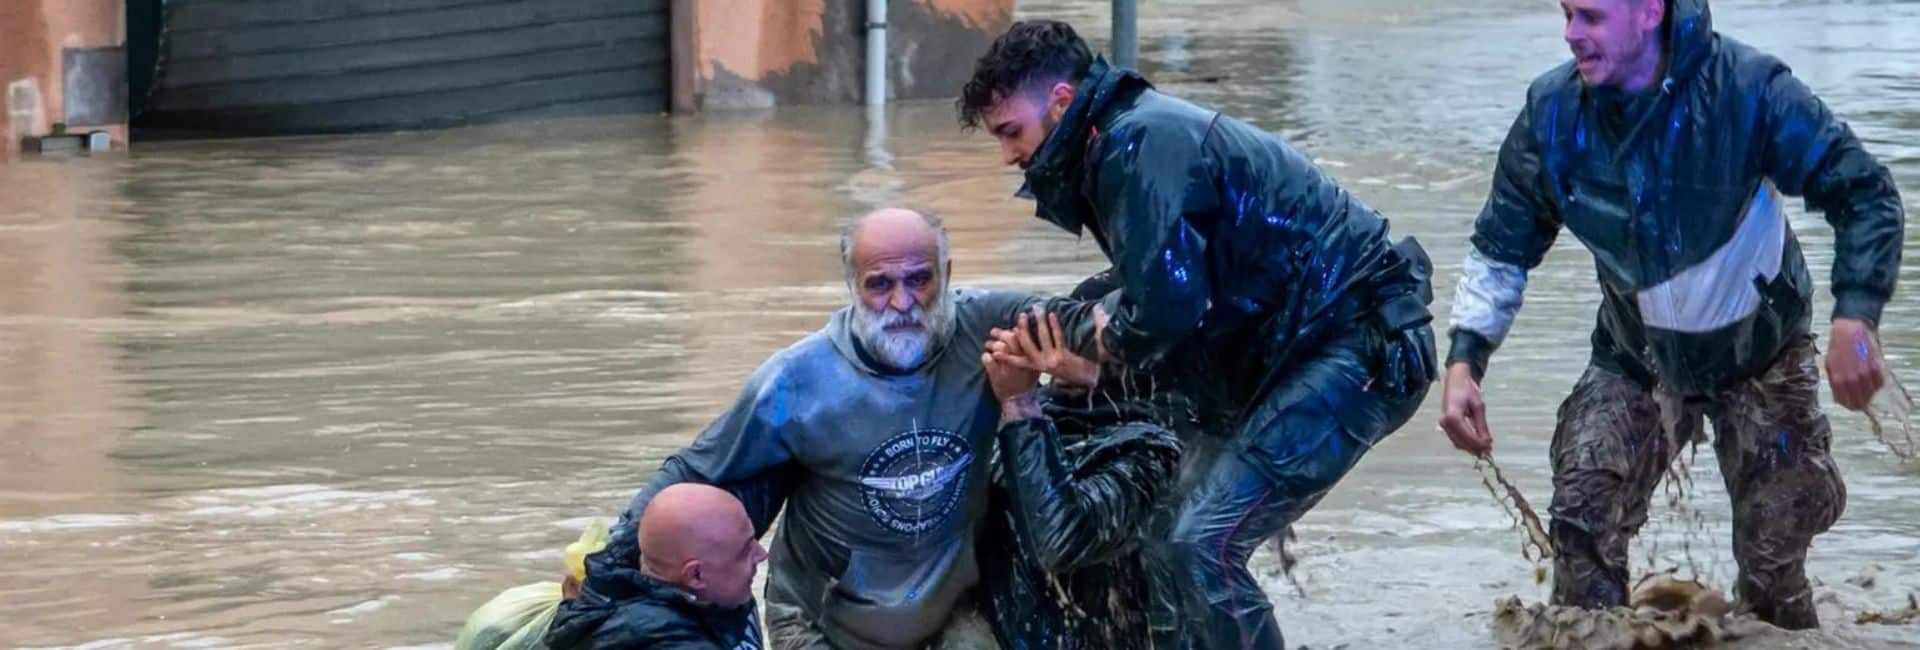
(1488, 297)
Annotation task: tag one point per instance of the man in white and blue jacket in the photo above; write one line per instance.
(1666, 148)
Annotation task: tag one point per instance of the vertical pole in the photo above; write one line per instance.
(875, 143)
(876, 52)
(1126, 34)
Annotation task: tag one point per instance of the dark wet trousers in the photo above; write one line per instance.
(1289, 450)
(1616, 439)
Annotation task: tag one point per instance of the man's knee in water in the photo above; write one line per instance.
(1587, 530)
(1589, 499)
(1195, 546)
(1201, 554)
(1208, 546)
(1773, 581)
(1583, 575)
(1592, 463)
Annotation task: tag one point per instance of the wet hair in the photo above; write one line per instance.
(852, 228)
(1031, 52)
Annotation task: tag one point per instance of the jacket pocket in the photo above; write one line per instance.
(1315, 424)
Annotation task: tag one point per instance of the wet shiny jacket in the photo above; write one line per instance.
(1235, 254)
(1656, 185)
(631, 611)
(1066, 528)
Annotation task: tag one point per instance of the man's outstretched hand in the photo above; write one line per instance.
(1039, 344)
(1464, 414)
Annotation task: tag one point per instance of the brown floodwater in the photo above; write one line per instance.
(337, 392)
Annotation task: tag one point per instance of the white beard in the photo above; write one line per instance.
(908, 347)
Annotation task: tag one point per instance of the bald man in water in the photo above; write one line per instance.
(875, 435)
(693, 589)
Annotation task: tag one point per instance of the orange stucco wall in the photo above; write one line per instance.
(756, 36)
(756, 53)
(32, 35)
(984, 14)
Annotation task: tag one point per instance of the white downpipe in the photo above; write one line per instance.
(876, 52)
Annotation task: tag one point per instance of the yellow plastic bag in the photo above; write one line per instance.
(591, 541)
(518, 617)
(514, 620)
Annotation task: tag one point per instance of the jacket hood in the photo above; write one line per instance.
(1063, 150)
(603, 596)
(1689, 38)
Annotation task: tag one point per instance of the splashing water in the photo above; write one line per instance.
(1536, 546)
(1679, 489)
(1894, 403)
(1681, 428)
(1281, 545)
(1907, 616)
(1664, 613)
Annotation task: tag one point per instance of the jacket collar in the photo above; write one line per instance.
(1050, 178)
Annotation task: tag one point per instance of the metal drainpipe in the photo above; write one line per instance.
(1126, 34)
(876, 52)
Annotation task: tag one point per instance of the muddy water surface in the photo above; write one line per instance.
(336, 392)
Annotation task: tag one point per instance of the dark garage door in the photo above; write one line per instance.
(260, 67)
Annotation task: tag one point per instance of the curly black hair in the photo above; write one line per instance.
(1031, 51)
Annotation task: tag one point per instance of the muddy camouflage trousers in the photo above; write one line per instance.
(1616, 440)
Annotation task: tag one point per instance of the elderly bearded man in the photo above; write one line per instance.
(876, 436)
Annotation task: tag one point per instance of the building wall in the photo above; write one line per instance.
(728, 54)
(740, 54)
(39, 35)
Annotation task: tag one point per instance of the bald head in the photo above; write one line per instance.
(897, 271)
(700, 538)
(892, 230)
